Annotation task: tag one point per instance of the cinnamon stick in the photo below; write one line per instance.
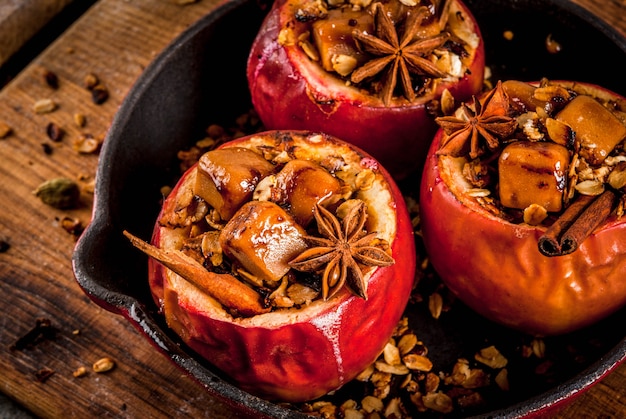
(576, 223)
(225, 288)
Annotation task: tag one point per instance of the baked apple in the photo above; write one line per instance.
(522, 203)
(371, 73)
(286, 259)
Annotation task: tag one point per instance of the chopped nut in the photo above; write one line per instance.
(44, 106)
(617, 177)
(534, 214)
(103, 365)
(343, 64)
(80, 372)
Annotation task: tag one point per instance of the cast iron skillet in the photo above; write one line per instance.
(200, 79)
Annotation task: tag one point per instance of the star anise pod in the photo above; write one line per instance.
(488, 120)
(341, 251)
(400, 56)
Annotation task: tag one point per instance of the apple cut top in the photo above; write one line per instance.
(392, 50)
(549, 154)
(274, 223)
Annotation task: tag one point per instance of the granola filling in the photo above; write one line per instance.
(283, 224)
(390, 49)
(550, 155)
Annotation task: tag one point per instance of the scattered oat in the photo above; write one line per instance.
(80, 372)
(491, 357)
(435, 304)
(539, 348)
(502, 379)
(44, 106)
(103, 365)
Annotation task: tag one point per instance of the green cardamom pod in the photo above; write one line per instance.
(59, 193)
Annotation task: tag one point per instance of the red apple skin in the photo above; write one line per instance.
(297, 359)
(290, 92)
(495, 267)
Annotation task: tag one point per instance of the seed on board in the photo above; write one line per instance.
(59, 193)
(80, 120)
(54, 132)
(99, 94)
(90, 81)
(44, 106)
(103, 365)
(5, 130)
(51, 79)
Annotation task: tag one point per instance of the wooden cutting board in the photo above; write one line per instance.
(21, 19)
(115, 40)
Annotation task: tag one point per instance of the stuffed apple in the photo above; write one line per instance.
(522, 203)
(286, 259)
(371, 73)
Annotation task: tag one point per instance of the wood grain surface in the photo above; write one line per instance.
(21, 19)
(114, 40)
